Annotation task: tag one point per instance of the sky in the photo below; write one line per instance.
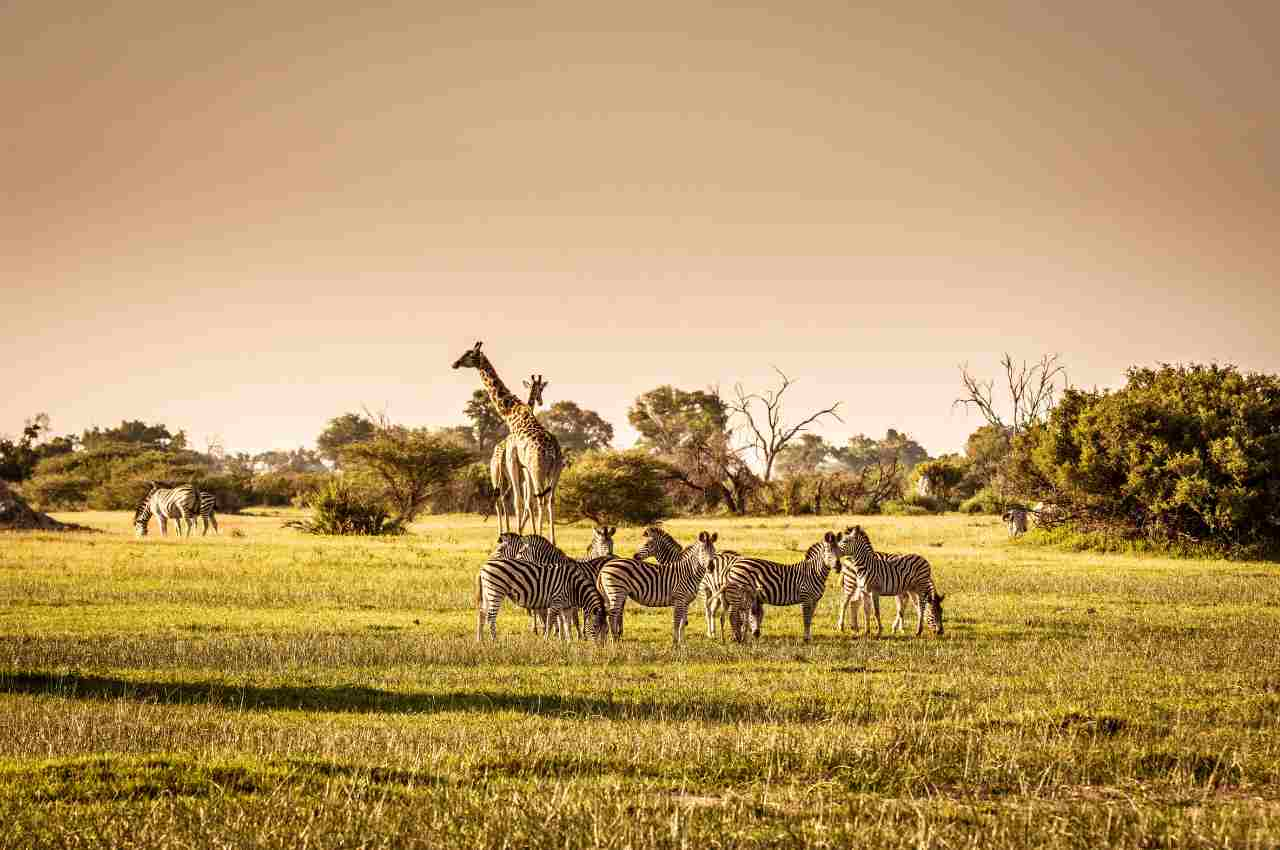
(245, 220)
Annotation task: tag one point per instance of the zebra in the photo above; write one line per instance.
(1016, 521)
(540, 550)
(657, 585)
(208, 504)
(507, 546)
(664, 549)
(884, 575)
(852, 592)
(802, 584)
(167, 503)
(556, 586)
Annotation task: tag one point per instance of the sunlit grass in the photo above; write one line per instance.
(263, 685)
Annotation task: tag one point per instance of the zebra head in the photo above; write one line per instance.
(659, 545)
(142, 516)
(472, 358)
(705, 548)
(535, 388)
(830, 550)
(508, 544)
(601, 542)
(538, 550)
(933, 611)
(856, 544)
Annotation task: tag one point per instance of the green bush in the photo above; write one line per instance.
(985, 501)
(622, 488)
(340, 509)
(895, 507)
(1182, 455)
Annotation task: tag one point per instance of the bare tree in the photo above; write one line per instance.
(1032, 389)
(770, 434)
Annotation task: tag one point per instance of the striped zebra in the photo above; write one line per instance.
(1015, 519)
(802, 584)
(892, 575)
(208, 504)
(852, 593)
(180, 503)
(671, 585)
(664, 549)
(540, 550)
(559, 586)
(507, 546)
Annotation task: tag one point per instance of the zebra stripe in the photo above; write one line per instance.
(539, 550)
(657, 585)
(555, 586)
(208, 503)
(892, 575)
(665, 550)
(167, 503)
(802, 584)
(851, 591)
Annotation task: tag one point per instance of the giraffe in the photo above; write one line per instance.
(499, 462)
(534, 467)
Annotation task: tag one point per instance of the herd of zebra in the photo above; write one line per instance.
(536, 575)
(183, 503)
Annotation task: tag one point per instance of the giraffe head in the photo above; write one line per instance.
(535, 388)
(472, 358)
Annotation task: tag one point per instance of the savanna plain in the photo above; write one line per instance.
(268, 689)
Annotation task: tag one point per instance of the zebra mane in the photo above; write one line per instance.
(661, 545)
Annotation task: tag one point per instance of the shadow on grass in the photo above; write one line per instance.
(360, 700)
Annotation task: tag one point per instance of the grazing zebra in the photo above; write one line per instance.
(559, 586)
(208, 504)
(1016, 521)
(167, 503)
(657, 585)
(800, 584)
(664, 549)
(540, 550)
(891, 575)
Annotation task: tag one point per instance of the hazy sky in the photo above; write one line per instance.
(243, 221)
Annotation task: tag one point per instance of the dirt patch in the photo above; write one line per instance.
(17, 515)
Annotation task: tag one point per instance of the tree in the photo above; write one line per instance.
(668, 418)
(1031, 388)
(761, 417)
(408, 466)
(805, 455)
(486, 425)
(578, 430)
(135, 431)
(615, 487)
(862, 451)
(18, 459)
(342, 431)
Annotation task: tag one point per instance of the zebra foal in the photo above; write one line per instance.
(672, 585)
(895, 575)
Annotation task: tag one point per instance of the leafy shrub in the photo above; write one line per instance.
(899, 508)
(57, 491)
(614, 487)
(985, 501)
(1180, 455)
(408, 467)
(340, 509)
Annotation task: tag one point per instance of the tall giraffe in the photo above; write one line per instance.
(499, 462)
(535, 466)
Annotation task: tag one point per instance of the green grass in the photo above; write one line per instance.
(269, 689)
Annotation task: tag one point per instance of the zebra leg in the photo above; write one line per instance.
(706, 609)
(806, 611)
(617, 601)
(213, 519)
(920, 605)
(677, 624)
(875, 601)
(577, 625)
(164, 525)
(845, 599)
(898, 624)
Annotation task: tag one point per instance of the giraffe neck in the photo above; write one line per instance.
(502, 399)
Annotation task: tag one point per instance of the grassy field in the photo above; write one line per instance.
(268, 689)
